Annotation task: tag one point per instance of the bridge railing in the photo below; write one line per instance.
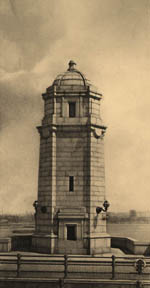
(69, 266)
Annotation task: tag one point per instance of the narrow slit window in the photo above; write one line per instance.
(72, 109)
(71, 183)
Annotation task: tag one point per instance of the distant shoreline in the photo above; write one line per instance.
(118, 220)
(111, 218)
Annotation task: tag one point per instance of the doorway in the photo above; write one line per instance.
(72, 232)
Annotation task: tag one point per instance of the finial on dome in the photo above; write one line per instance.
(71, 65)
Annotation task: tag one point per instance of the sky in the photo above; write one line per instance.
(110, 42)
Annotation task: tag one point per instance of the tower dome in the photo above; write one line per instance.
(72, 78)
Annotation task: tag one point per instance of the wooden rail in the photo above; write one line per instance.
(69, 266)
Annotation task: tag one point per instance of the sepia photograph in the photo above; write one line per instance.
(74, 143)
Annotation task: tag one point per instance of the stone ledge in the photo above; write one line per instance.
(97, 236)
(5, 244)
(133, 246)
(5, 240)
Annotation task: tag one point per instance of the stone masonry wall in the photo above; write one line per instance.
(47, 183)
(71, 160)
(72, 151)
(96, 183)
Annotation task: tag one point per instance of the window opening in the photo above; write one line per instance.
(72, 109)
(71, 183)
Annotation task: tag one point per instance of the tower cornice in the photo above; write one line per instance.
(53, 92)
(98, 130)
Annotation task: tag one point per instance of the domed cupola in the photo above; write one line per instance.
(71, 79)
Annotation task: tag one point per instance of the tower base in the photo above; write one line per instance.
(99, 244)
(44, 243)
(50, 244)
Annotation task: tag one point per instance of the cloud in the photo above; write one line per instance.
(21, 111)
(29, 27)
(13, 7)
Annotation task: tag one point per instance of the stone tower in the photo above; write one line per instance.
(71, 184)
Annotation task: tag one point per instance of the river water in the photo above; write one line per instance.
(136, 231)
